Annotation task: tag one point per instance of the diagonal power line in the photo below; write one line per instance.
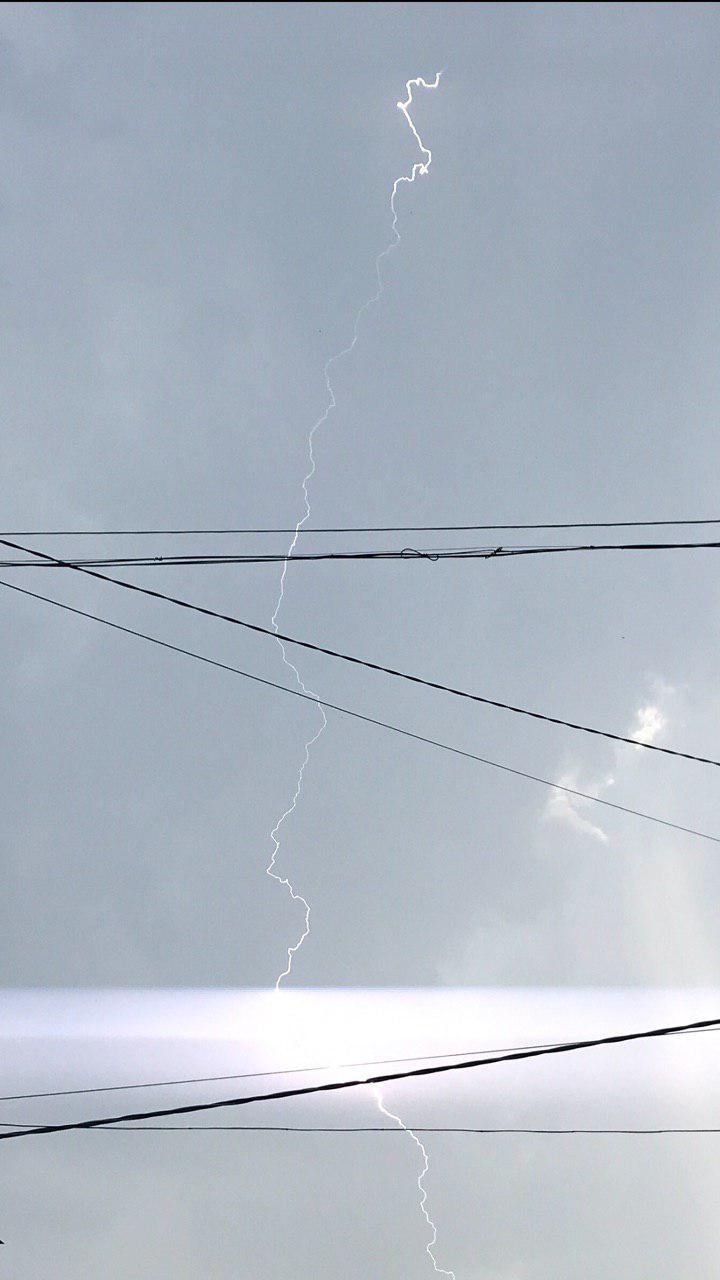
(360, 662)
(357, 715)
(385, 1078)
(259, 1075)
(288, 1071)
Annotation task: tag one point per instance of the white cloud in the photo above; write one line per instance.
(650, 723)
(562, 807)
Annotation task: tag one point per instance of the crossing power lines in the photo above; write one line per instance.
(276, 635)
(360, 716)
(428, 554)
(383, 1078)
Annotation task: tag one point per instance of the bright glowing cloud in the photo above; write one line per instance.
(650, 723)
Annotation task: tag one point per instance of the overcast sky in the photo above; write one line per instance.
(193, 198)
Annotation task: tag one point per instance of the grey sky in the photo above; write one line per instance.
(192, 200)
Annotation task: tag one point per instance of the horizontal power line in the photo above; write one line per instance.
(274, 634)
(357, 715)
(329, 529)
(378, 1128)
(433, 554)
(388, 1077)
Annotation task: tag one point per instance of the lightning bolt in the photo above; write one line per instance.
(430, 1246)
(419, 169)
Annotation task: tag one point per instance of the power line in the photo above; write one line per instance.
(385, 1078)
(288, 1071)
(256, 1075)
(357, 715)
(363, 662)
(385, 1128)
(331, 529)
(433, 554)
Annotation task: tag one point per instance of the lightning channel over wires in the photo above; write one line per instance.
(419, 168)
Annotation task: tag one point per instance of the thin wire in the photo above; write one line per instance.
(357, 715)
(363, 662)
(401, 528)
(432, 554)
(290, 1071)
(386, 1078)
(258, 1075)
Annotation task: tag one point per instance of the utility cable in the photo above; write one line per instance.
(289, 1071)
(416, 1128)
(388, 1077)
(332, 529)
(259, 1075)
(363, 662)
(357, 715)
(432, 554)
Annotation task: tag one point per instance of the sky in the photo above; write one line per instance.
(192, 202)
